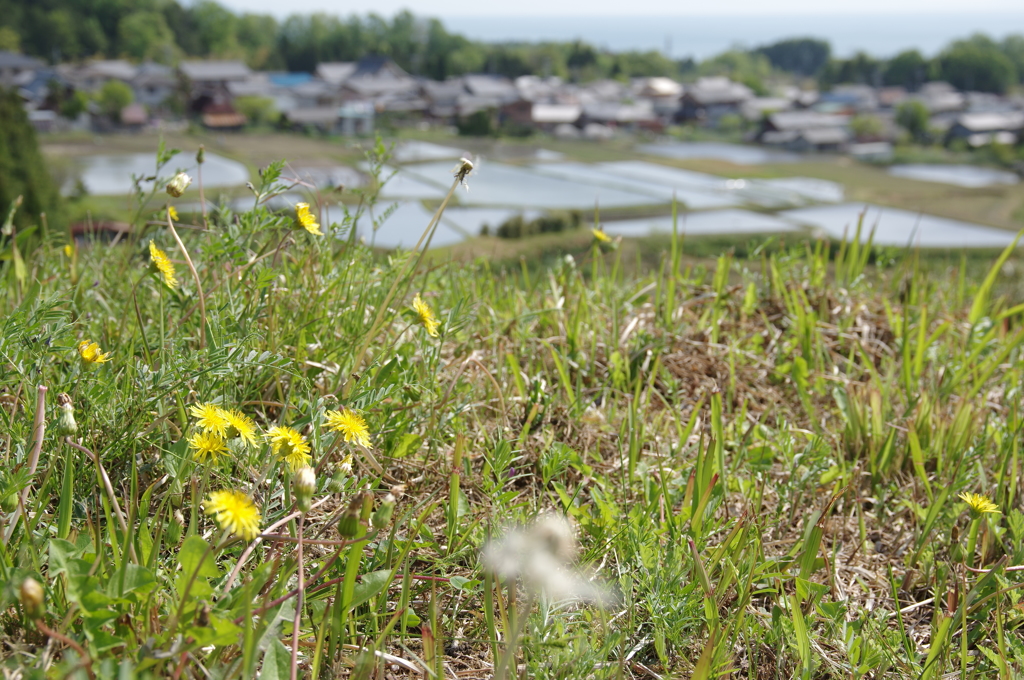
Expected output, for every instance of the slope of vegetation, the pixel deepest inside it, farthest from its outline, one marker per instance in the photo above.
(761, 460)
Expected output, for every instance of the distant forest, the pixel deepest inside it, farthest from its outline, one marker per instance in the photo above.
(166, 31)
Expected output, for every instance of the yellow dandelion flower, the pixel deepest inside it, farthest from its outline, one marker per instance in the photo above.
(69, 250)
(307, 219)
(210, 418)
(239, 425)
(426, 315)
(205, 444)
(163, 265)
(234, 512)
(172, 213)
(290, 446)
(601, 236)
(92, 354)
(978, 503)
(351, 426)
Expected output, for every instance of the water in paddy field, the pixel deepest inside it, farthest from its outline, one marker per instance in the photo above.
(731, 221)
(111, 174)
(733, 153)
(959, 175)
(894, 227)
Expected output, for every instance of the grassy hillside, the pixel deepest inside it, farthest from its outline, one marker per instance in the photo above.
(760, 460)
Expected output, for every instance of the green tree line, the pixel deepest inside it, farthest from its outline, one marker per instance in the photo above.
(167, 31)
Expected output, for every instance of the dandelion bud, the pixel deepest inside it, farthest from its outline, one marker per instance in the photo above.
(304, 486)
(337, 483)
(9, 502)
(201, 154)
(176, 187)
(31, 596)
(66, 425)
(175, 527)
(382, 517)
(348, 525)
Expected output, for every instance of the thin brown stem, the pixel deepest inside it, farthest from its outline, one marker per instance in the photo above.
(195, 277)
(85, 662)
(109, 488)
(258, 540)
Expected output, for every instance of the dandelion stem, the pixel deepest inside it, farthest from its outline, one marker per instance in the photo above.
(39, 428)
(195, 277)
(378, 320)
(298, 605)
(972, 541)
(109, 488)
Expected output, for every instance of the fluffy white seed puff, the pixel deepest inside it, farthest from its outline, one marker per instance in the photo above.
(542, 556)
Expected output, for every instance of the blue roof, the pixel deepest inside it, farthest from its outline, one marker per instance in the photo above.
(289, 79)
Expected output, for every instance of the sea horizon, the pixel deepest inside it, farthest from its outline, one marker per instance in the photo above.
(703, 36)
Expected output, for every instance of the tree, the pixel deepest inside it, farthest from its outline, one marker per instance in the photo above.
(907, 69)
(10, 41)
(861, 68)
(977, 64)
(22, 170)
(478, 124)
(1013, 47)
(146, 35)
(258, 110)
(803, 56)
(867, 128)
(913, 116)
(113, 97)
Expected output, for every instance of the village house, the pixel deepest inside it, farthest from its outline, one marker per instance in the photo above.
(621, 115)
(537, 89)
(17, 69)
(980, 129)
(848, 99)
(549, 116)
(707, 100)
(663, 93)
(757, 108)
(940, 97)
(93, 75)
(805, 131)
(443, 98)
(154, 85)
(208, 82)
(382, 82)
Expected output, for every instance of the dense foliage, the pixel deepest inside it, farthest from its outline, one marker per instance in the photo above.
(255, 448)
(22, 169)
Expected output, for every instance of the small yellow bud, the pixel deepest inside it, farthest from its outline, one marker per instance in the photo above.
(348, 525)
(382, 517)
(31, 596)
(304, 486)
(175, 527)
(66, 425)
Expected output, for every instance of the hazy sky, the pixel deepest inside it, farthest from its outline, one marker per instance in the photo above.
(454, 8)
